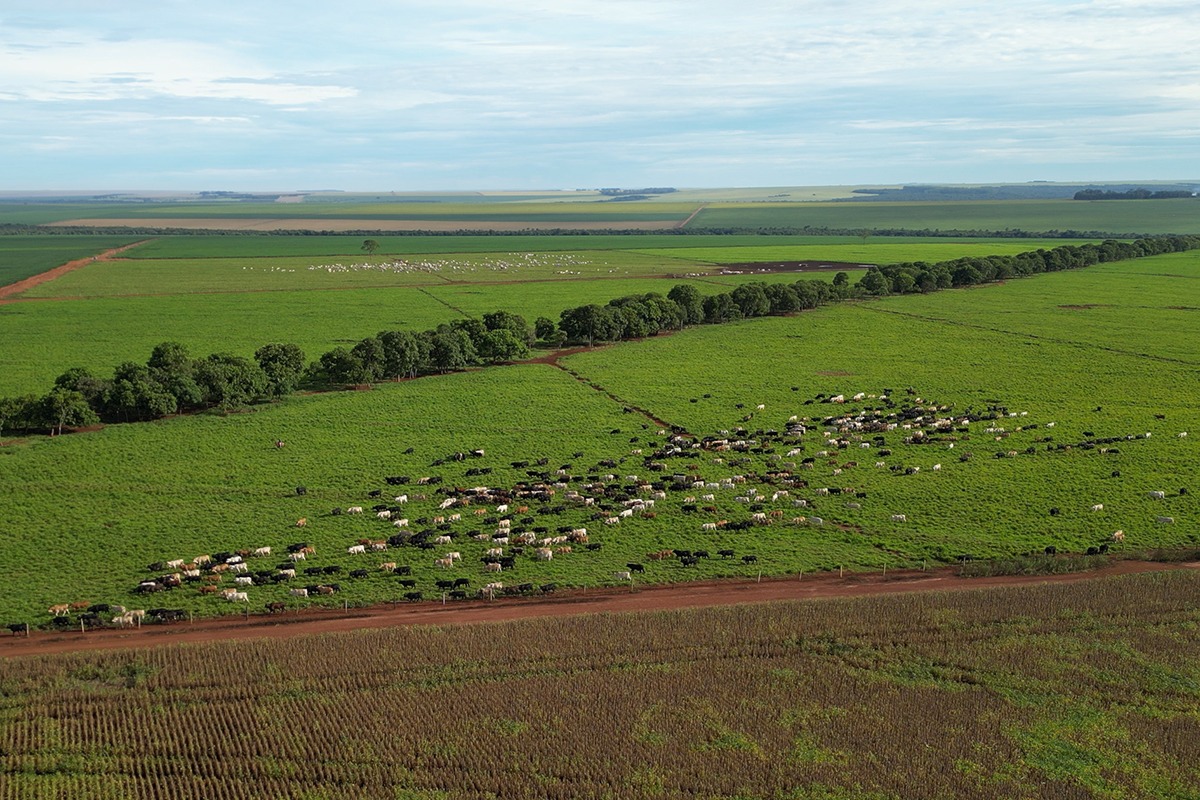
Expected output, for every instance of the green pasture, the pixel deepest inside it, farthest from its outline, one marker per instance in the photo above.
(1114, 217)
(182, 276)
(24, 256)
(857, 251)
(185, 486)
(41, 340)
(708, 247)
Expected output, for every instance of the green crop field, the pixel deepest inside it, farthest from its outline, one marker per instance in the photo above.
(24, 256)
(1075, 690)
(1112, 216)
(192, 485)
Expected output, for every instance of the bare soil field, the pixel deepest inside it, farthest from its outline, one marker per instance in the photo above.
(699, 594)
(342, 225)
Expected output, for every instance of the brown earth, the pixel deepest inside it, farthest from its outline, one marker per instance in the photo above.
(12, 289)
(698, 594)
(339, 225)
(789, 266)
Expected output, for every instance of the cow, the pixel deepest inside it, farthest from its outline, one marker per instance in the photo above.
(300, 523)
(899, 518)
(238, 597)
(1164, 520)
(1157, 495)
(60, 610)
(354, 510)
(1118, 536)
(623, 576)
(276, 607)
(1098, 507)
(262, 551)
(493, 566)
(356, 549)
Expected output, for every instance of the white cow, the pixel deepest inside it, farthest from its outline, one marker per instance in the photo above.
(357, 549)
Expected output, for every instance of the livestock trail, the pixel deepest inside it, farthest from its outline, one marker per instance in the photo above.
(1026, 335)
(8, 293)
(554, 361)
(660, 597)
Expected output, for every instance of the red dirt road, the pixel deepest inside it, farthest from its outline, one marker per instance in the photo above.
(9, 291)
(592, 601)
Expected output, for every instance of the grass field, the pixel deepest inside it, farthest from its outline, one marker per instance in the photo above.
(208, 483)
(23, 256)
(1111, 216)
(1036, 693)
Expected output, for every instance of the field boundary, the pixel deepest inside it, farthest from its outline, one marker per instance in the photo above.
(651, 597)
(12, 289)
(1024, 335)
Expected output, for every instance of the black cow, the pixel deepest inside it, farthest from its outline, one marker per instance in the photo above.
(412, 597)
(635, 567)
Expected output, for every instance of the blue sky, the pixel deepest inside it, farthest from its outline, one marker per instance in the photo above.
(538, 94)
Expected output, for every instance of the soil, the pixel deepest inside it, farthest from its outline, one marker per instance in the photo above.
(342, 225)
(789, 266)
(12, 289)
(697, 594)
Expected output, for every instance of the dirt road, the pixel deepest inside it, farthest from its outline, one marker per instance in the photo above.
(13, 289)
(591, 601)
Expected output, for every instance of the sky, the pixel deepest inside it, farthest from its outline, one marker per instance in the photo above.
(406, 95)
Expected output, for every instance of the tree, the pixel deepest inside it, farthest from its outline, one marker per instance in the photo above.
(451, 349)
(874, 282)
(502, 345)
(64, 408)
(134, 395)
(230, 381)
(720, 308)
(401, 354)
(172, 366)
(690, 302)
(505, 320)
(373, 357)
(81, 380)
(16, 413)
(592, 323)
(841, 279)
(545, 330)
(283, 364)
(339, 365)
(751, 298)
(369, 246)
(783, 298)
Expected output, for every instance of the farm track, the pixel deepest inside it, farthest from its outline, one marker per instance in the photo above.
(8, 292)
(662, 597)
(624, 404)
(437, 299)
(1026, 335)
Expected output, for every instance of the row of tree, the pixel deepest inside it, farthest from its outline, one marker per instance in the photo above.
(919, 276)
(172, 382)
(1133, 194)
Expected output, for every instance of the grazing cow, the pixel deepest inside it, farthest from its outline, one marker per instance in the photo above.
(276, 607)
(354, 510)
(725, 553)
(244, 580)
(635, 567)
(623, 576)
(300, 523)
(443, 563)
(62, 609)
(1098, 507)
(384, 514)
(899, 518)
(262, 551)
(357, 549)
(239, 597)
(1158, 495)
(1118, 536)
(749, 559)
(18, 627)
(1164, 520)
(493, 566)
(299, 555)
(389, 566)
(400, 523)
(544, 554)
(412, 597)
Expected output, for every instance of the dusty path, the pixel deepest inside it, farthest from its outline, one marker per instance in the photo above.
(12, 289)
(590, 601)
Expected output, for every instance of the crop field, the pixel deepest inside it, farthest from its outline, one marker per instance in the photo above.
(1036, 693)
(1111, 216)
(188, 486)
(23, 256)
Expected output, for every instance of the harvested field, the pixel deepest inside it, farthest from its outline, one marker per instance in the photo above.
(342, 225)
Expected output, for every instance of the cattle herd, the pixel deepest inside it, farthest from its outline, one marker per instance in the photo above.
(426, 528)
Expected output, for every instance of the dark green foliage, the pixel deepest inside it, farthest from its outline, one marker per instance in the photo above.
(283, 365)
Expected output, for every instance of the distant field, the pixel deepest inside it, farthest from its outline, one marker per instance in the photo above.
(350, 246)
(23, 256)
(1112, 216)
(875, 251)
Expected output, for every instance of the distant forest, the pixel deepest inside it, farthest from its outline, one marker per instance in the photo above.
(1022, 191)
(1132, 194)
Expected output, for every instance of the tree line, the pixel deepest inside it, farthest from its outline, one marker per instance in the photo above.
(1132, 194)
(173, 382)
